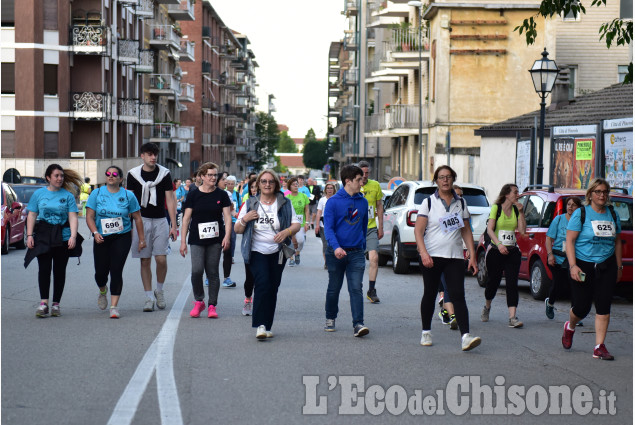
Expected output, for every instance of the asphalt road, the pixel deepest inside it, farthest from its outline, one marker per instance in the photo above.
(165, 367)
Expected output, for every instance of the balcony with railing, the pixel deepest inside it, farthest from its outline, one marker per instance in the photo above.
(183, 11)
(144, 9)
(165, 85)
(163, 132)
(349, 113)
(90, 40)
(186, 54)
(167, 1)
(164, 37)
(128, 110)
(350, 41)
(146, 61)
(402, 49)
(384, 14)
(184, 134)
(350, 77)
(351, 7)
(90, 106)
(396, 120)
(206, 32)
(187, 92)
(128, 51)
(206, 68)
(146, 113)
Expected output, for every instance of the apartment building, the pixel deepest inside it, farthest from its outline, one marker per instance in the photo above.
(224, 100)
(85, 83)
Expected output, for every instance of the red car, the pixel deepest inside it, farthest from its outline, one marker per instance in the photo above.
(13, 220)
(541, 205)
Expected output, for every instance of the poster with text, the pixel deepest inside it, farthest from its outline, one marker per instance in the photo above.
(562, 162)
(618, 159)
(584, 162)
(523, 163)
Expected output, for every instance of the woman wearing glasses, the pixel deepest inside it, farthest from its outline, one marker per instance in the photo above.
(267, 222)
(207, 219)
(108, 211)
(594, 252)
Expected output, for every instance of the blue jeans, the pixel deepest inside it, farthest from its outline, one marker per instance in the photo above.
(267, 276)
(353, 265)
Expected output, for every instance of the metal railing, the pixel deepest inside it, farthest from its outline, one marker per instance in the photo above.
(91, 105)
(90, 39)
(165, 33)
(183, 6)
(187, 91)
(146, 61)
(128, 51)
(165, 82)
(395, 117)
(146, 113)
(350, 77)
(406, 40)
(144, 8)
(187, 48)
(128, 110)
(185, 133)
(163, 131)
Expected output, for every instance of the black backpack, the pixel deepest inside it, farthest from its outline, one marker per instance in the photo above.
(611, 209)
(486, 239)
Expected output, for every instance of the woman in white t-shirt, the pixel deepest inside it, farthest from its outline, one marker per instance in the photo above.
(441, 228)
(329, 190)
(266, 222)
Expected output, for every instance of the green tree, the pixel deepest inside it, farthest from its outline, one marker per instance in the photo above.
(315, 154)
(310, 137)
(618, 31)
(286, 145)
(268, 139)
(279, 168)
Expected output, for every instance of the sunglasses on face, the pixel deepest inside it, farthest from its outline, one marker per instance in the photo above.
(266, 182)
(112, 174)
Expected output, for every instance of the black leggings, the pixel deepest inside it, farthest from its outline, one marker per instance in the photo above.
(559, 282)
(56, 259)
(249, 282)
(110, 258)
(454, 271)
(496, 264)
(597, 287)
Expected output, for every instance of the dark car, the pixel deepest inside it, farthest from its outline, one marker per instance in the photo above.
(13, 220)
(541, 205)
(25, 191)
(32, 180)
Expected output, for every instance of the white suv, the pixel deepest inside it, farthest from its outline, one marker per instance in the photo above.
(400, 215)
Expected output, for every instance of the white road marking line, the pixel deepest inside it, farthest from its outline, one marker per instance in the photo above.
(159, 357)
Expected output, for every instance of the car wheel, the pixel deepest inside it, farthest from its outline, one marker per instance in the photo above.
(5, 242)
(21, 244)
(481, 276)
(539, 283)
(400, 264)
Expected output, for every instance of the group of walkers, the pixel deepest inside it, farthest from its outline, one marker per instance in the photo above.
(583, 244)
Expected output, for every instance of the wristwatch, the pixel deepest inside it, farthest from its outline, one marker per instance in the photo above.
(95, 232)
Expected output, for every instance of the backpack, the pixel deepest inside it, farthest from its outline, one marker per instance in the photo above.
(583, 214)
(486, 239)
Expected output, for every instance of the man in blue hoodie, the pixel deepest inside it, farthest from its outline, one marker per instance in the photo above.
(345, 225)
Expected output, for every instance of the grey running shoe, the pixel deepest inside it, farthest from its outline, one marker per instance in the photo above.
(330, 325)
(426, 339)
(291, 262)
(55, 310)
(549, 309)
(114, 313)
(360, 330)
(102, 301)
(247, 306)
(485, 314)
(515, 323)
(297, 259)
(148, 305)
(468, 342)
(160, 296)
(42, 310)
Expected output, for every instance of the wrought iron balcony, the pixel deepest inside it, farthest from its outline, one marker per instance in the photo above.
(128, 110)
(396, 119)
(164, 37)
(184, 11)
(187, 92)
(90, 40)
(146, 61)
(128, 51)
(146, 113)
(144, 9)
(91, 106)
(187, 51)
(165, 85)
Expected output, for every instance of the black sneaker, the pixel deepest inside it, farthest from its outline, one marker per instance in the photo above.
(445, 317)
(360, 330)
(372, 295)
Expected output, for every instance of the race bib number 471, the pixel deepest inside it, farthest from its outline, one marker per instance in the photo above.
(208, 230)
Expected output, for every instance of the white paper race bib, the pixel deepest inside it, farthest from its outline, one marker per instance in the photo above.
(603, 229)
(451, 222)
(300, 217)
(208, 230)
(263, 223)
(111, 225)
(507, 237)
(371, 212)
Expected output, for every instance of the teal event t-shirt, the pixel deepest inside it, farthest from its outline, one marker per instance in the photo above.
(53, 207)
(592, 245)
(111, 206)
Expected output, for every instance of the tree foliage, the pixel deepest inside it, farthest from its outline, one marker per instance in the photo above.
(268, 139)
(618, 31)
(315, 154)
(287, 145)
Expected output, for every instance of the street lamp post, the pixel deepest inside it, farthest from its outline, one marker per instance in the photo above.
(543, 73)
(419, 4)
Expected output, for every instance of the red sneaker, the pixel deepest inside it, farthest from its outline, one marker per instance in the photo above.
(567, 336)
(199, 306)
(602, 353)
(211, 312)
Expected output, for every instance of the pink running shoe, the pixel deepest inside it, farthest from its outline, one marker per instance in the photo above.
(211, 312)
(199, 306)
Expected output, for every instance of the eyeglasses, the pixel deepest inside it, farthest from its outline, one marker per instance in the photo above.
(601, 192)
(112, 173)
(212, 176)
(266, 182)
(444, 178)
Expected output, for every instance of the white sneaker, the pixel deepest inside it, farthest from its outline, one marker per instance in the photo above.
(269, 334)
(468, 342)
(426, 339)
(160, 296)
(261, 332)
(102, 301)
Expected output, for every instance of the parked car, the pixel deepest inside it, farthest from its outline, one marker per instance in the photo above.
(400, 215)
(12, 220)
(541, 205)
(32, 180)
(387, 194)
(25, 191)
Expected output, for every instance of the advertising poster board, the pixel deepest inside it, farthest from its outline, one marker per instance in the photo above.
(618, 153)
(573, 161)
(562, 175)
(523, 163)
(584, 162)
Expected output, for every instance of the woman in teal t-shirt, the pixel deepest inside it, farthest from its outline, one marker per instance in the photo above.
(503, 254)
(108, 212)
(594, 252)
(300, 204)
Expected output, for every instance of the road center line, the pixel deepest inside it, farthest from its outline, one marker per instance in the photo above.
(159, 357)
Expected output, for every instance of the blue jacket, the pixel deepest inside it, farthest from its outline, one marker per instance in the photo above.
(346, 220)
(285, 212)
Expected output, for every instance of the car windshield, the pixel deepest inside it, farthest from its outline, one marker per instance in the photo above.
(624, 208)
(25, 192)
(423, 193)
(473, 197)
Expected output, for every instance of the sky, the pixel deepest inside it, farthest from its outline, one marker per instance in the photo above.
(291, 40)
